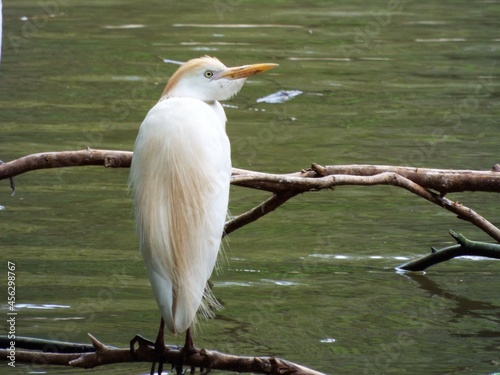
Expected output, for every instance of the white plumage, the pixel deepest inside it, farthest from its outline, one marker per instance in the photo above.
(180, 177)
(180, 173)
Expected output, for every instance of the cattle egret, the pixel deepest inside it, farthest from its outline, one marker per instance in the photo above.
(180, 175)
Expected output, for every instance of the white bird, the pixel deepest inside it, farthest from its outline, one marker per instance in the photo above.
(180, 174)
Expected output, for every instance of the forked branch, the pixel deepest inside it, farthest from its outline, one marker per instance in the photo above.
(441, 180)
(419, 181)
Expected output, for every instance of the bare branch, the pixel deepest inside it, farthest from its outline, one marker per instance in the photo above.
(107, 158)
(12, 183)
(441, 180)
(444, 181)
(462, 211)
(285, 186)
(464, 247)
(264, 181)
(208, 359)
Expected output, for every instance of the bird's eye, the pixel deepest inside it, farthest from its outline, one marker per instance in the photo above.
(209, 74)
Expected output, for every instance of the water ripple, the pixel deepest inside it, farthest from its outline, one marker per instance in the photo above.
(40, 307)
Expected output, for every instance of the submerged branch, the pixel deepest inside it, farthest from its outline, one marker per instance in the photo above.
(48, 346)
(105, 355)
(464, 247)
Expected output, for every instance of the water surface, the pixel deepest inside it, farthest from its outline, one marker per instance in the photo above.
(397, 83)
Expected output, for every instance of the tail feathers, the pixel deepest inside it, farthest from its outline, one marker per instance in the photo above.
(162, 289)
(185, 315)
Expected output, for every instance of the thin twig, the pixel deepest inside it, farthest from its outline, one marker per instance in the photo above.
(265, 182)
(257, 212)
(12, 182)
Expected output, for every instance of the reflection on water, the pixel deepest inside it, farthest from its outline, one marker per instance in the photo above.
(396, 83)
(465, 307)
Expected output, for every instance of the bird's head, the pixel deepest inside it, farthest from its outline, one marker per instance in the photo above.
(207, 79)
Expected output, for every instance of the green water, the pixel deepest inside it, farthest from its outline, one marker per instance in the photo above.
(383, 82)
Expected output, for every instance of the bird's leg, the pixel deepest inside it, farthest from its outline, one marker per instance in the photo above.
(159, 348)
(187, 350)
(189, 347)
(158, 345)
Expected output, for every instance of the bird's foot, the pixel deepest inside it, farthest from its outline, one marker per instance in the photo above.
(145, 344)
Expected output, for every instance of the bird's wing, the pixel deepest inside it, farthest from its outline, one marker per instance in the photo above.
(180, 174)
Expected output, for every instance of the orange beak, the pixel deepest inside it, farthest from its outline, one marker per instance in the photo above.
(245, 71)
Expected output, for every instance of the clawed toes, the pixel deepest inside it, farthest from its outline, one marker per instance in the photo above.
(143, 343)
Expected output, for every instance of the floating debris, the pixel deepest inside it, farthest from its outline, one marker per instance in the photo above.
(280, 96)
